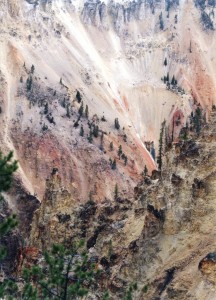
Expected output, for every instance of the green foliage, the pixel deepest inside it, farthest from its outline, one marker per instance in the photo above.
(68, 114)
(129, 293)
(173, 81)
(120, 151)
(90, 138)
(29, 83)
(45, 127)
(64, 274)
(81, 109)
(124, 157)
(81, 131)
(78, 97)
(117, 125)
(102, 141)
(145, 289)
(111, 146)
(112, 164)
(161, 21)
(7, 168)
(32, 69)
(95, 131)
(86, 112)
(116, 191)
(197, 120)
(145, 171)
(46, 108)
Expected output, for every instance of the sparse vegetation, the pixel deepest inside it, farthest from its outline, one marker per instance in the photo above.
(161, 22)
(161, 145)
(117, 125)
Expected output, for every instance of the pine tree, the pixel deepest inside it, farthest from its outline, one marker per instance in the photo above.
(32, 69)
(161, 21)
(90, 138)
(116, 192)
(117, 125)
(52, 280)
(81, 131)
(173, 80)
(145, 171)
(80, 111)
(78, 97)
(7, 169)
(102, 141)
(95, 131)
(46, 109)
(68, 114)
(167, 78)
(29, 83)
(120, 151)
(161, 146)
(113, 164)
(165, 62)
(86, 112)
(111, 146)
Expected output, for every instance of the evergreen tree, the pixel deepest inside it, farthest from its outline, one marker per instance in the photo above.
(173, 80)
(32, 69)
(90, 138)
(120, 151)
(111, 146)
(86, 112)
(197, 120)
(165, 62)
(29, 83)
(145, 171)
(125, 160)
(113, 165)
(161, 21)
(116, 192)
(117, 125)
(102, 141)
(95, 131)
(167, 78)
(65, 275)
(78, 97)
(7, 169)
(68, 114)
(81, 131)
(46, 109)
(161, 146)
(80, 111)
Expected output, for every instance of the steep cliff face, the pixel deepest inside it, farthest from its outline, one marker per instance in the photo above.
(114, 54)
(68, 71)
(162, 238)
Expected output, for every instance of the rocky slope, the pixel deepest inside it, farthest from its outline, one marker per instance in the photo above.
(163, 237)
(114, 55)
(115, 58)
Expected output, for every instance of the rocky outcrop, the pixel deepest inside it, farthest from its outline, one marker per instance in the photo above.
(207, 267)
(157, 238)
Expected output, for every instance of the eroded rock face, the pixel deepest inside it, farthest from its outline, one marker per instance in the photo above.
(156, 238)
(207, 267)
